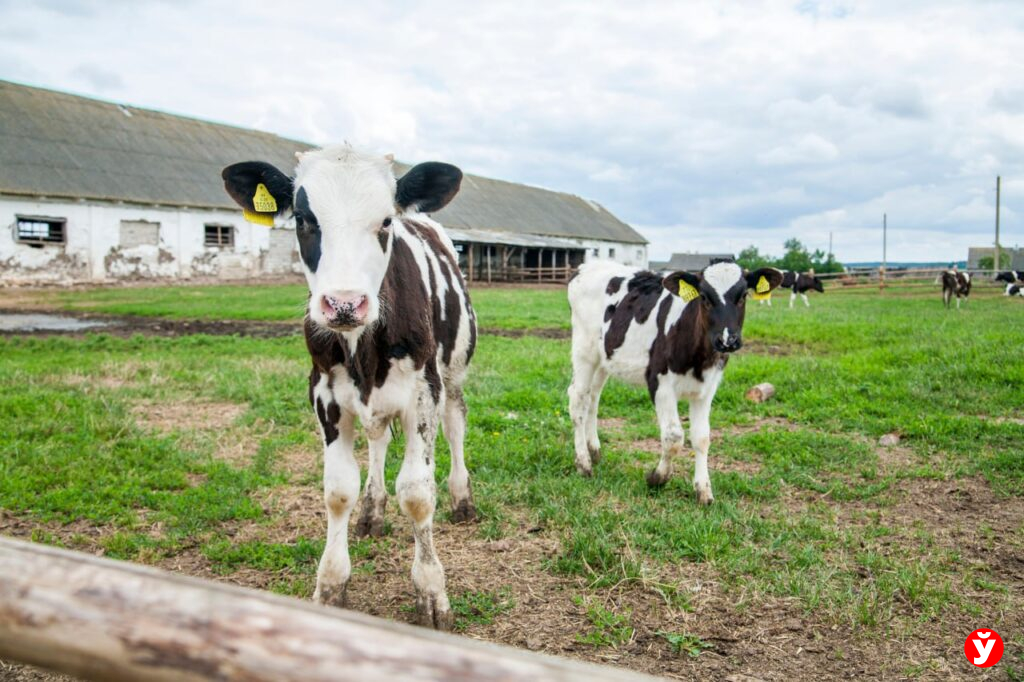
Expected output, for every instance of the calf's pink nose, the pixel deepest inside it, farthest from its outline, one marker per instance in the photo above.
(344, 304)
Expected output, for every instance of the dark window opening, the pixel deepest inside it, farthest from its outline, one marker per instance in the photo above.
(611, 253)
(37, 231)
(221, 236)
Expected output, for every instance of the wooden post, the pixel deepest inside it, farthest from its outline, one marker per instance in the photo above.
(99, 619)
(488, 263)
(470, 261)
(540, 264)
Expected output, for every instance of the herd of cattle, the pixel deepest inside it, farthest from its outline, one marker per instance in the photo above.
(391, 332)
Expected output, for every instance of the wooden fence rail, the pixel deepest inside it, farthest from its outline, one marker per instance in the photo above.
(106, 620)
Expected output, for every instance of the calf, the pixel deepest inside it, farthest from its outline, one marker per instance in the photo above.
(672, 334)
(390, 331)
(1015, 290)
(799, 283)
(1011, 277)
(955, 282)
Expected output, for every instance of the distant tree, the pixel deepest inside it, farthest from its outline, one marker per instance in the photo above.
(796, 258)
(751, 259)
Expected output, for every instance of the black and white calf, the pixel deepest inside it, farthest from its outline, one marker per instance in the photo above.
(1011, 277)
(956, 283)
(799, 283)
(1015, 290)
(672, 334)
(390, 330)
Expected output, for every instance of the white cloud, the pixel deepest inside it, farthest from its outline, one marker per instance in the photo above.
(776, 118)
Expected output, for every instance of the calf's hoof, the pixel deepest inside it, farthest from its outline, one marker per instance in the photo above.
(586, 471)
(463, 511)
(595, 454)
(704, 496)
(433, 611)
(332, 595)
(656, 479)
(371, 521)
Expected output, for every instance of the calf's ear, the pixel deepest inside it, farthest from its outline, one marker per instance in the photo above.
(672, 282)
(772, 276)
(242, 181)
(428, 187)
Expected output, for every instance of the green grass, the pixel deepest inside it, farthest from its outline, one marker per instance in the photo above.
(502, 308)
(856, 366)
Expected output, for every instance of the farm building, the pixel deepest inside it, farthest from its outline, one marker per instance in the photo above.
(976, 253)
(92, 190)
(693, 262)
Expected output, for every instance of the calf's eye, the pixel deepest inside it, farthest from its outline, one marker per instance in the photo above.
(387, 222)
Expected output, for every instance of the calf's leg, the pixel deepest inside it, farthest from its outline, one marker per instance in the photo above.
(792, 297)
(580, 402)
(375, 497)
(806, 302)
(417, 497)
(459, 487)
(666, 405)
(341, 489)
(700, 438)
(593, 442)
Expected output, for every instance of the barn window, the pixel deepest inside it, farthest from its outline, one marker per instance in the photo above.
(221, 236)
(611, 252)
(597, 252)
(639, 254)
(139, 233)
(37, 231)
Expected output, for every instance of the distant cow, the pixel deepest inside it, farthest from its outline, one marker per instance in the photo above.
(1015, 290)
(1011, 277)
(955, 283)
(800, 283)
(672, 334)
(390, 331)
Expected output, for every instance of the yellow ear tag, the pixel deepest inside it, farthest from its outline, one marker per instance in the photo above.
(763, 290)
(263, 201)
(687, 292)
(258, 218)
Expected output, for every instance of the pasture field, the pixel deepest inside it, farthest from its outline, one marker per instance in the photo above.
(825, 555)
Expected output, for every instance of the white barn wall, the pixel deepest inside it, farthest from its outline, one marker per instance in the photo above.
(92, 251)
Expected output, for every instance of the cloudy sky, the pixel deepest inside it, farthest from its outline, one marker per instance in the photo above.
(706, 125)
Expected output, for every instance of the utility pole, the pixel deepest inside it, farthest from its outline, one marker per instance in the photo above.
(885, 261)
(995, 261)
(830, 245)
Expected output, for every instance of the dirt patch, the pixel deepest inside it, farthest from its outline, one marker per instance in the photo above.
(540, 332)
(155, 326)
(166, 417)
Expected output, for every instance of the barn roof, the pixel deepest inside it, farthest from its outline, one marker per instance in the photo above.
(55, 144)
(689, 261)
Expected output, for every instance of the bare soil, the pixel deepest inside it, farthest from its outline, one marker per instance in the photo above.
(751, 637)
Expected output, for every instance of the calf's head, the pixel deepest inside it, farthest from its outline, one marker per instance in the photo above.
(721, 292)
(817, 284)
(345, 204)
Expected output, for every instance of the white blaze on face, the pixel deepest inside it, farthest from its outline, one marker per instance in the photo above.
(722, 277)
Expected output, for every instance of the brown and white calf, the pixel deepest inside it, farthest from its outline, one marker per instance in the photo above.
(639, 327)
(955, 283)
(390, 331)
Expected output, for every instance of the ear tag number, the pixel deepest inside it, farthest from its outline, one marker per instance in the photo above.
(258, 218)
(687, 292)
(263, 201)
(763, 290)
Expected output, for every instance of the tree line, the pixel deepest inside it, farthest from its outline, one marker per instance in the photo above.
(796, 258)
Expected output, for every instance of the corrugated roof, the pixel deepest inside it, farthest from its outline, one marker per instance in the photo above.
(59, 145)
(694, 262)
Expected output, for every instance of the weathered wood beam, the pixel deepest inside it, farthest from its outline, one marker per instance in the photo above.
(108, 620)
